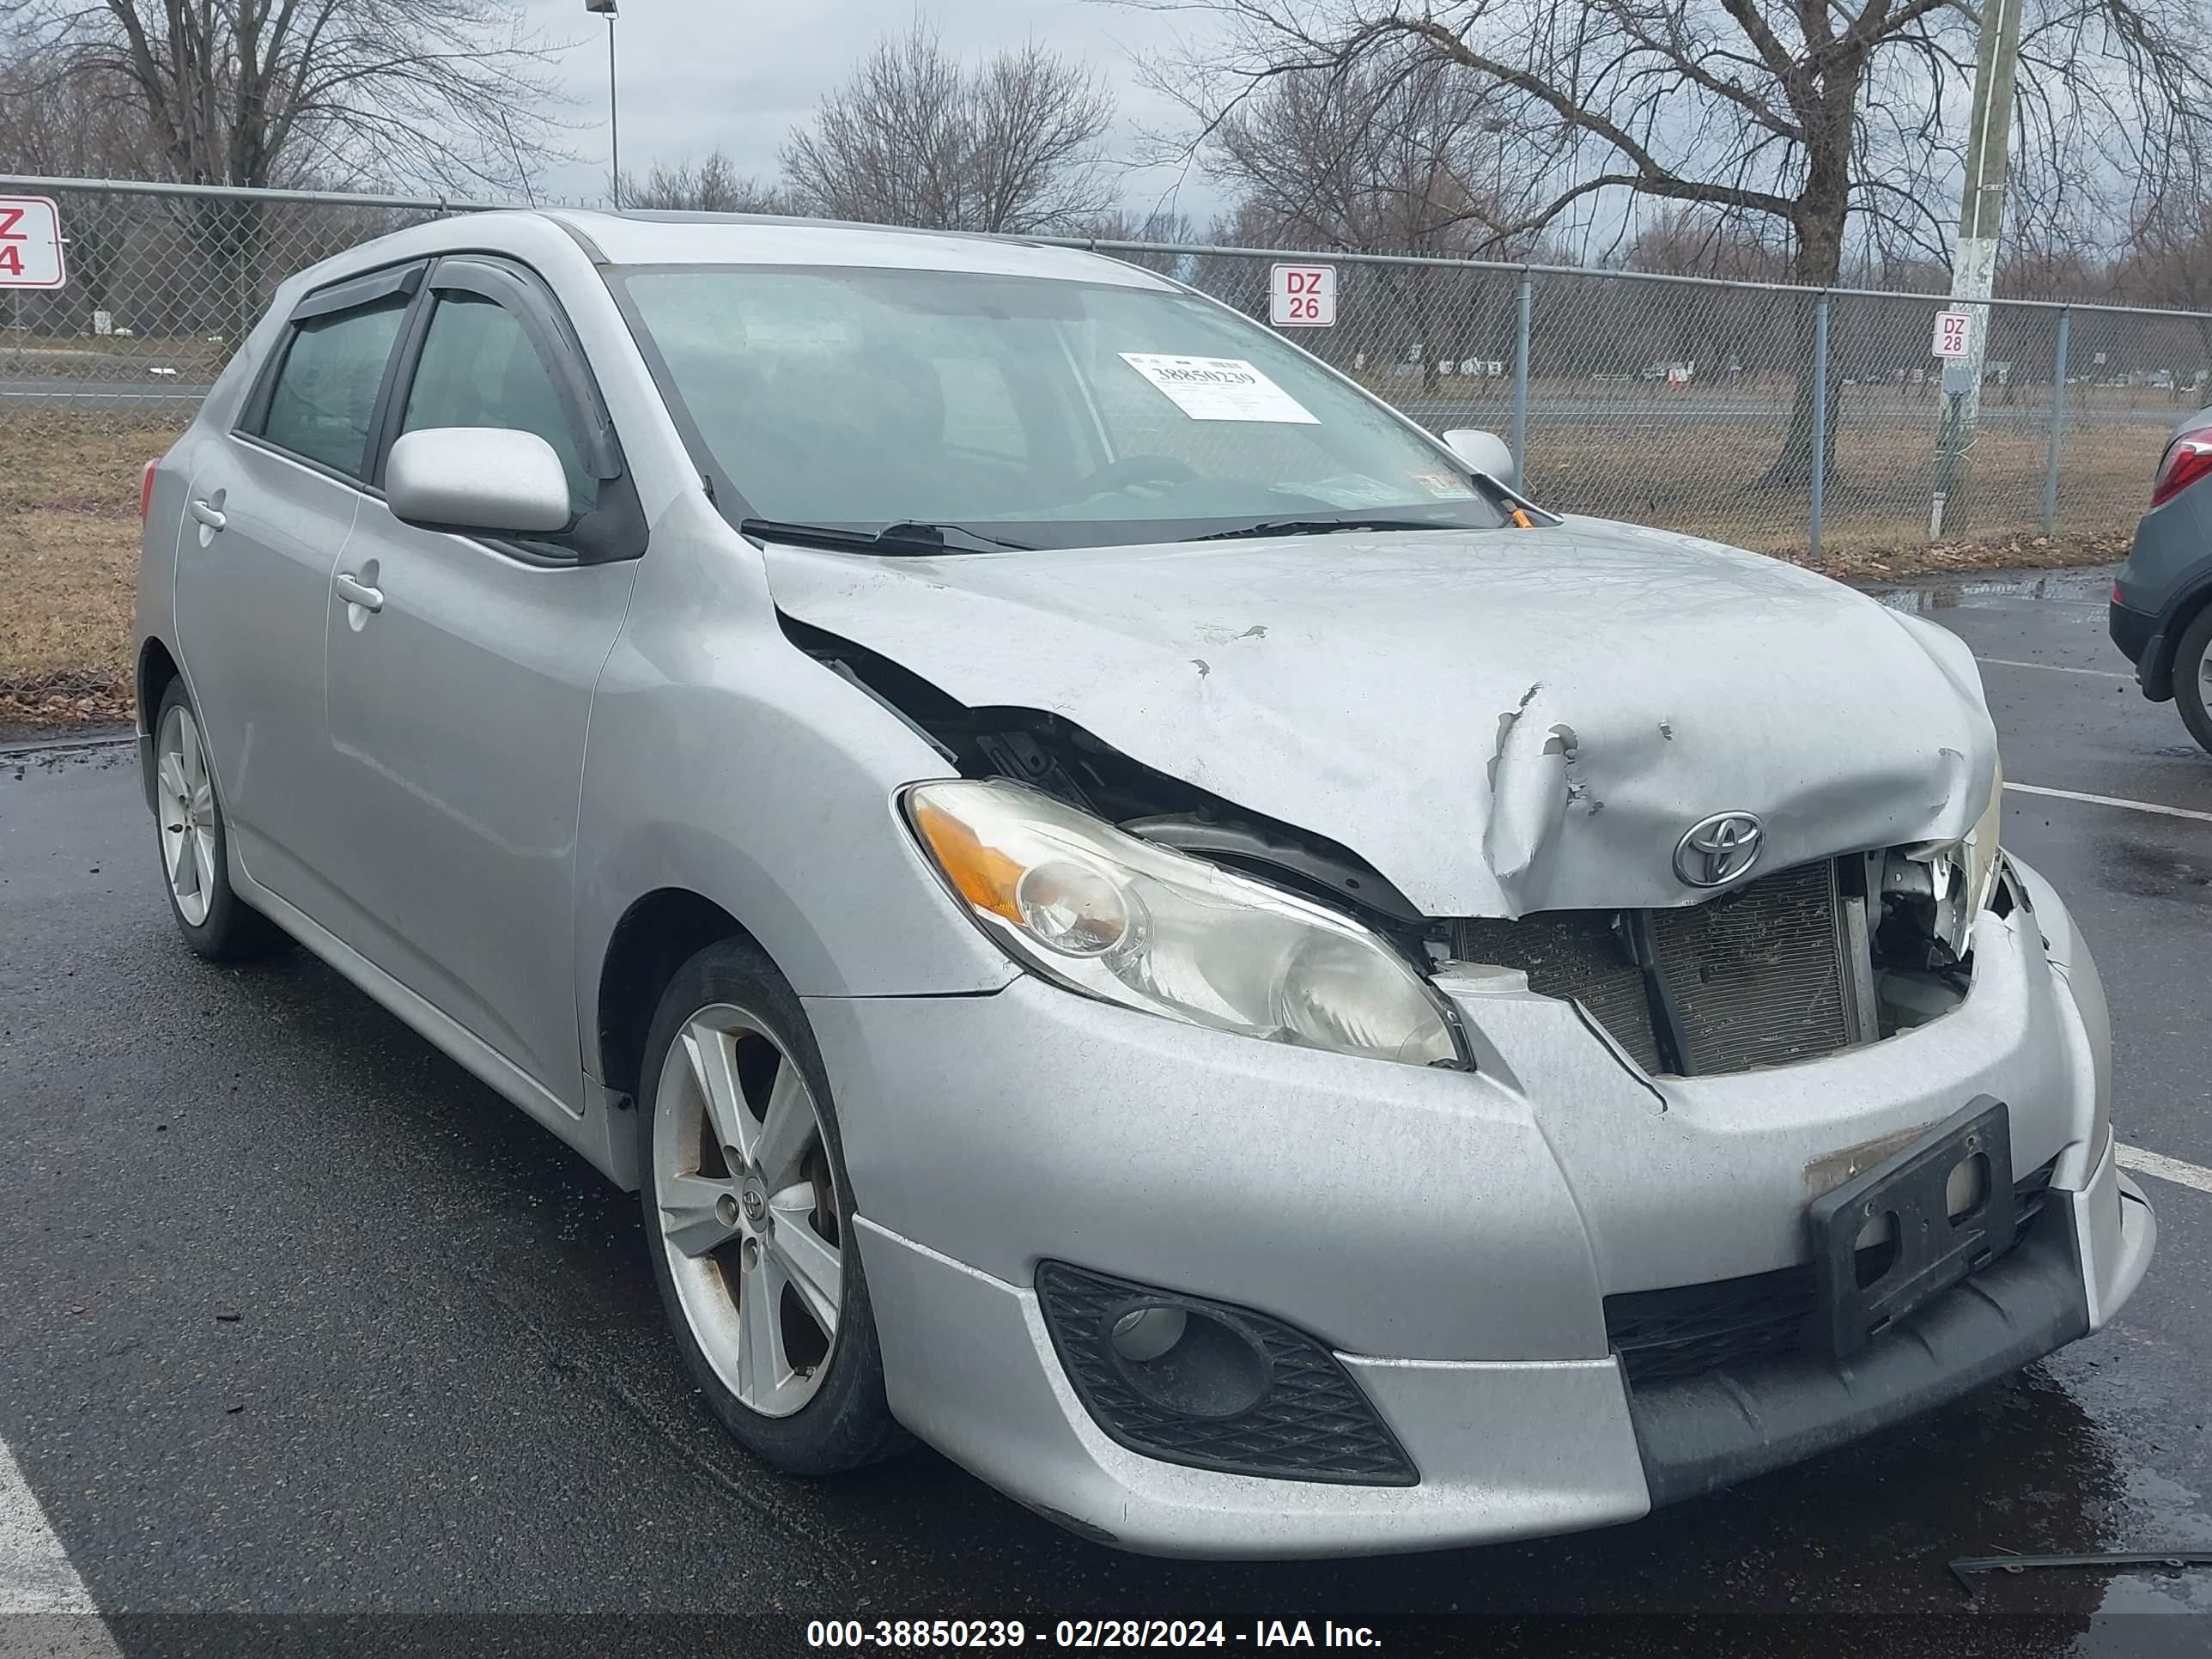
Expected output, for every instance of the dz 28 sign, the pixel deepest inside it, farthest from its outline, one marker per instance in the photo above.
(1303, 296)
(30, 243)
(1954, 333)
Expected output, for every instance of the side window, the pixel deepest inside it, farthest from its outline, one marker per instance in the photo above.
(325, 391)
(479, 368)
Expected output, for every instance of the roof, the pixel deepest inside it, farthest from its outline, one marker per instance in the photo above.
(655, 239)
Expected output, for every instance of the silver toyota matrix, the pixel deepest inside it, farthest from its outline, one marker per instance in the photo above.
(1129, 912)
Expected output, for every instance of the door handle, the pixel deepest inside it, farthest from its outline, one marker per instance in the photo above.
(210, 516)
(353, 591)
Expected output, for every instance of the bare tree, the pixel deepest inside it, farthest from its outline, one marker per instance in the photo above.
(2167, 261)
(1820, 120)
(1159, 224)
(82, 126)
(711, 185)
(450, 93)
(1682, 241)
(71, 127)
(915, 138)
(1389, 153)
(1393, 153)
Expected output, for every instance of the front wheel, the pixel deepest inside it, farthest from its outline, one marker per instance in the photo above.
(2192, 677)
(749, 1218)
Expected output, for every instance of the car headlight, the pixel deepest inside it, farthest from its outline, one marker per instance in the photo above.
(1978, 854)
(1126, 921)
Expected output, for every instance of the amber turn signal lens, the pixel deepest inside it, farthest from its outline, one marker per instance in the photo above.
(984, 875)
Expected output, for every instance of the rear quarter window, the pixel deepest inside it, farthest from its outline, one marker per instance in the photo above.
(324, 393)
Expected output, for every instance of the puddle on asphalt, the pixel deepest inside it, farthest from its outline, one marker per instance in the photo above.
(17, 763)
(2091, 584)
(2140, 866)
(2093, 1612)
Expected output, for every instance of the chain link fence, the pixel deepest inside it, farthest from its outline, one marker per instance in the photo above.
(1773, 417)
(1778, 418)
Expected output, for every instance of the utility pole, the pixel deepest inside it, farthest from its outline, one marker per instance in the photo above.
(1981, 220)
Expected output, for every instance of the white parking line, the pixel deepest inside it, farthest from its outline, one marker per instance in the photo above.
(2165, 1169)
(35, 1574)
(2111, 800)
(2055, 668)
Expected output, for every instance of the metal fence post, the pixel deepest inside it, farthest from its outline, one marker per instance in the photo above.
(1819, 418)
(2058, 423)
(1526, 297)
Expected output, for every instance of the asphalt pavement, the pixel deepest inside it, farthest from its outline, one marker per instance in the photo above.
(296, 1320)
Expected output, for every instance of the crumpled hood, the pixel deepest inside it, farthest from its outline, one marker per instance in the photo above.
(1499, 722)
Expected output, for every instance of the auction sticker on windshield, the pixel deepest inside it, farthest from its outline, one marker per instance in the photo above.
(1218, 388)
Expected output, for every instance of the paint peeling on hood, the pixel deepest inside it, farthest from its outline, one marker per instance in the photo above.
(1499, 722)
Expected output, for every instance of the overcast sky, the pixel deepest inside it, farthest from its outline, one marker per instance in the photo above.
(695, 74)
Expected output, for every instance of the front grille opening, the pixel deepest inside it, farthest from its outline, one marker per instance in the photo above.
(1794, 965)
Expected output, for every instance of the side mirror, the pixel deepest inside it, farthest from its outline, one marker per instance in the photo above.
(1483, 451)
(477, 477)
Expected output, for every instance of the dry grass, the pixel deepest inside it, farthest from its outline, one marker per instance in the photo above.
(68, 526)
(1878, 491)
(69, 521)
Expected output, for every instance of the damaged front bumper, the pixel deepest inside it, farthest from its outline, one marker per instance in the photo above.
(1455, 1240)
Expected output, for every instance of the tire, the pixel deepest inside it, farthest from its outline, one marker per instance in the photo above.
(195, 844)
(2192, 677)
(731, 1051)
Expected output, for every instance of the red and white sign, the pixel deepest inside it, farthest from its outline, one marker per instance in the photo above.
(30, 243)
(1953, 330)
(1303, 296)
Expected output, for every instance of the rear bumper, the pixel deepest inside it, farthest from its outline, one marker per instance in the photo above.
(2132, 631)
(2162, 586)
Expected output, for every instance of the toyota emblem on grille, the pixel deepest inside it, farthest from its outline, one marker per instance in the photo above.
(1714, 851)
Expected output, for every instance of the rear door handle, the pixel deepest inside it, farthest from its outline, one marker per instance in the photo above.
(210, 516)
(354, 591)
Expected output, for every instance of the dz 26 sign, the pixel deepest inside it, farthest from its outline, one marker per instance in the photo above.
(1303, 296)
(30, 243)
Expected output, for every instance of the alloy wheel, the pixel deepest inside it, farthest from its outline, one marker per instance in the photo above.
(185, 798)
(748, 1209)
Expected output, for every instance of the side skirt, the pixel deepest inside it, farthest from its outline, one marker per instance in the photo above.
(590, 1132)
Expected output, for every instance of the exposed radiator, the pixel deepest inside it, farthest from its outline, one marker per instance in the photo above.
(1757, 975)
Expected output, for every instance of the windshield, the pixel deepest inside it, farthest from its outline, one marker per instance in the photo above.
(1052, 414)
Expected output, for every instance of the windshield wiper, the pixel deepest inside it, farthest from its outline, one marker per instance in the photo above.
(908, 536)
(1319, 528)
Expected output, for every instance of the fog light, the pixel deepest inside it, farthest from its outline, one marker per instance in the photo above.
(1145, 1333)
(1191, 1362)
(1212, 1385)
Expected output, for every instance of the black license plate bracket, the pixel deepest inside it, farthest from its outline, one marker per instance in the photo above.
(1863, 1294)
